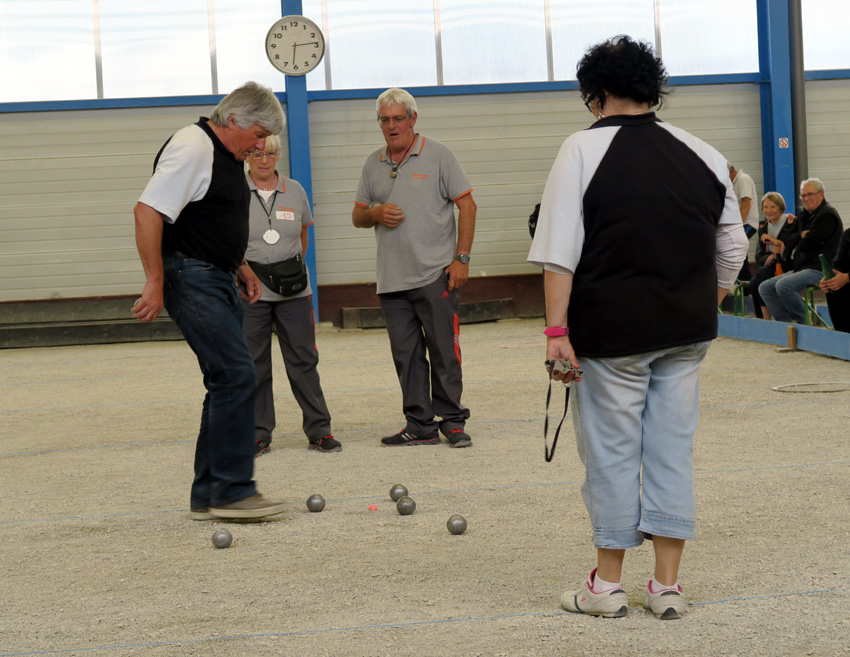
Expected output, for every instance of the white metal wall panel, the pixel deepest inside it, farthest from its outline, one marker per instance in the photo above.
(69, 180)
(506, 144)
(68, 184)
(828, 117)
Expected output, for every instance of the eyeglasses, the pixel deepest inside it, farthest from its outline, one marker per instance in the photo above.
(385, 120)
(805, 196)
(260, 156)
(587, 105)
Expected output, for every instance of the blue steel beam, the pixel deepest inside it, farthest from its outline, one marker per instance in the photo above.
(774, 34)
(298, 137)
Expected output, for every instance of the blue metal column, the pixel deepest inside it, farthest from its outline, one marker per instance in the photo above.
(774, 34)
(298, 136)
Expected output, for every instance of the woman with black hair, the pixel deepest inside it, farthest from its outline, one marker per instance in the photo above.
(640, 237)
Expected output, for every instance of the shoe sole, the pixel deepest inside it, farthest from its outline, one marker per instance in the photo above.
(619, 613)
(461, 443)
(670, 614)
(424, 441)
(201, 515)
(236, 514)
(317, 448)
(261, 452)
(569, 602)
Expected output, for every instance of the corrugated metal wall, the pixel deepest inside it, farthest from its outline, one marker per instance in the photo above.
(69, 180)
(506, 144)
(827, 104)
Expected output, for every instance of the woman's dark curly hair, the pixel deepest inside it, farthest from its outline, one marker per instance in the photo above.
(624, 68)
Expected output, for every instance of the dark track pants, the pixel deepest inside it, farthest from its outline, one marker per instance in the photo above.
(294, 324)
(423, 319)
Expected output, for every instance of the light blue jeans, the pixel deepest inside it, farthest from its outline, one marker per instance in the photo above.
(635, 418)
(781, 294)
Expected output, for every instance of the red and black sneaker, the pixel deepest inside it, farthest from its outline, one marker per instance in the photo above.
(326, 444)
(405, 438)
(457, 438)
(263, 447)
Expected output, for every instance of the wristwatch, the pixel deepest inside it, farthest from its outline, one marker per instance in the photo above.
(463, 258)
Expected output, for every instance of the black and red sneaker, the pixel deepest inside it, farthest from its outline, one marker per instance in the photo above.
(457, 438)
(405, 438)
(263, 447)
(326, 444)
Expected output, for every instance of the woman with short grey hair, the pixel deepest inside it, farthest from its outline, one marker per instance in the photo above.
(279, 220)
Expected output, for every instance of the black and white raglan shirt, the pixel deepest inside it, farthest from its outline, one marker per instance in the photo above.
(644, 216)
(199, 188)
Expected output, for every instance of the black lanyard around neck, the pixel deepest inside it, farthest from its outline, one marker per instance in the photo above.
(272, 200)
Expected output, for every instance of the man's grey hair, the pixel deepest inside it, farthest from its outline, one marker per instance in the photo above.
(814, 182)
(730, 166)
(250, 104)
(396, 96)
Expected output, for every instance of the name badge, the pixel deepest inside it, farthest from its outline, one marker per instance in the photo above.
(286, 215)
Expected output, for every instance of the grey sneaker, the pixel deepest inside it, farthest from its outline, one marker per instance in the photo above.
(667, 604)
(200, 513)
(255, 506)
(610, 604)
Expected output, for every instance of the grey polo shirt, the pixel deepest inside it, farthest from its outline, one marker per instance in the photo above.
(287, 212)
(414, 253)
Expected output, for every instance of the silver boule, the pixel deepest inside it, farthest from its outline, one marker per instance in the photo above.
(221, 538)
(315, 503)
(456, 524)
(405, 505)
(397, 492)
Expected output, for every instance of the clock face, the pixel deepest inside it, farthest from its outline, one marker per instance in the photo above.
(295, 45)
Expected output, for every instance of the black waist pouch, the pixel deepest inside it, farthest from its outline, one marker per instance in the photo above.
(287, 277)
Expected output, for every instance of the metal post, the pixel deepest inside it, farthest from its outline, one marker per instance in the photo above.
(798, 93)
(298, 140)
(777, 135)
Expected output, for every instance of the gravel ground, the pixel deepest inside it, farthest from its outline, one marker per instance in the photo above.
(99, 556)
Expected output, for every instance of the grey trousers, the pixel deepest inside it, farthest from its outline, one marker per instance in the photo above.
(294, 324)
(423, 319)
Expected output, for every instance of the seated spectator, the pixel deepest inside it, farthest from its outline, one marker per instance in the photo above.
(772, 233)
(837, 290)
(816, 231)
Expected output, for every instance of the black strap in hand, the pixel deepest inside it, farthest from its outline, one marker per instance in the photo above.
(550, 454)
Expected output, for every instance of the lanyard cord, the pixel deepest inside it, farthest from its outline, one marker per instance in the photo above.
(401, 161)
(550, 454)
(268, 212)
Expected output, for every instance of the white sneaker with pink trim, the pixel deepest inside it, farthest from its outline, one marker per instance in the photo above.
(613, 603)
(667, 604)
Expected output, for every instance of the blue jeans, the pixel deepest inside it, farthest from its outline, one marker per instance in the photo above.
(205, 304)
(635, 418)
(782, 297)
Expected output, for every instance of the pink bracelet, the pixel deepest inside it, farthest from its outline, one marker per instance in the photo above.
(556, 331)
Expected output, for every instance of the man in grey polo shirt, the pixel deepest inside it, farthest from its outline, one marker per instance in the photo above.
(407, 193)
